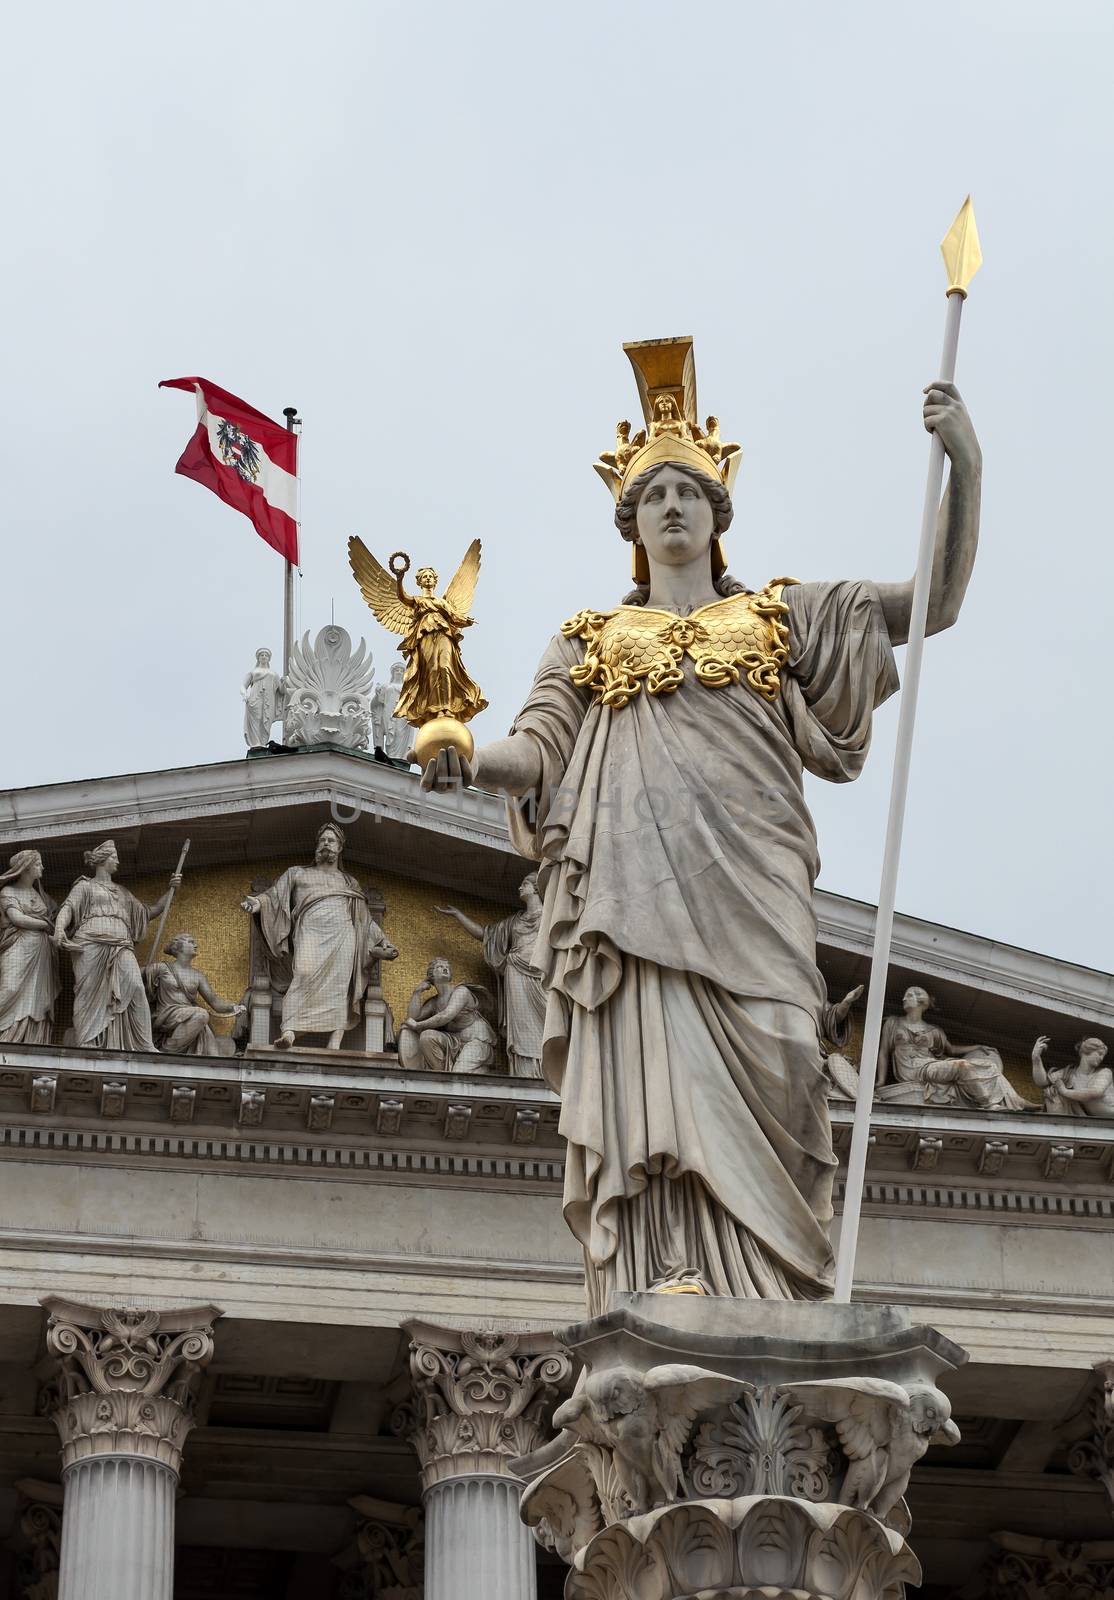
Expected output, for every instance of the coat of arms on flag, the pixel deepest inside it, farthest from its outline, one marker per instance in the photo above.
(237, 450)
(247, 459)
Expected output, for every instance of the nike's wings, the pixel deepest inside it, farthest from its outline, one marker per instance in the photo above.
(379, 588)
(463, 587)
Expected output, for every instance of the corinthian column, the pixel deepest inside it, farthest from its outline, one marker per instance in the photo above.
(123, 1405)
(480, 1400)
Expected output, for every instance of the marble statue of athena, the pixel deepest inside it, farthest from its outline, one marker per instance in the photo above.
(660, 757)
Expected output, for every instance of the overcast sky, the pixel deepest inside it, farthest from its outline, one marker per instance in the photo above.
(431, 227)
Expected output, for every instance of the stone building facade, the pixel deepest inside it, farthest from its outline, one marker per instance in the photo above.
(275, 1324)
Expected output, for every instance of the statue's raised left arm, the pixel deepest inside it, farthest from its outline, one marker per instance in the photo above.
(957, 531)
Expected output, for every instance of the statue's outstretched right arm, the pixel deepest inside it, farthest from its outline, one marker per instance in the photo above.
(512, 766)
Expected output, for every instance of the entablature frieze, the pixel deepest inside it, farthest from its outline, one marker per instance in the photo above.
(378, 1120)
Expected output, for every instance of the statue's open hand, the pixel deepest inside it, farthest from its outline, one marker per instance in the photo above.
(841, 1009)
(1041, 1046)
(250, 902)
(447, 772)
(945, 414)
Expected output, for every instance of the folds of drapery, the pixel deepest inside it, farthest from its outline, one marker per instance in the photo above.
(678, 860)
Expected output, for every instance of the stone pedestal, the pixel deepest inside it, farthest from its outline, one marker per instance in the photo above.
(480, 1400)
(123, 1405)
(728, 1449)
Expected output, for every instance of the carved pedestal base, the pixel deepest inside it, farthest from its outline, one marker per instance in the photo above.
(764, 1545)
(722, 1448)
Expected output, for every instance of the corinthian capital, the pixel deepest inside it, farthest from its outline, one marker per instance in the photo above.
(126, 1378)
(1092, 1456)
(480, 1399)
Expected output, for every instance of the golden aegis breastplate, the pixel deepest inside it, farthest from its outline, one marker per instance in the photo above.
(744, 635)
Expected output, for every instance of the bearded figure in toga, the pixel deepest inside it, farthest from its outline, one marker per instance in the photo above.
(319, 916)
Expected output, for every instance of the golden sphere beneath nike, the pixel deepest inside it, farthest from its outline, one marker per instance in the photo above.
(443, 733)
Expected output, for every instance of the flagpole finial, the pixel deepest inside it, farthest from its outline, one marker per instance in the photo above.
(291, 415)
(961, 250)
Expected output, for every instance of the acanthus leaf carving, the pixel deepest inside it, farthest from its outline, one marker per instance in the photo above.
(760, 1446)
(127, 1378)
(480, 1398)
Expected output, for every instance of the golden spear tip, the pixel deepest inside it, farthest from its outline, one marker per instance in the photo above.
(961, 250)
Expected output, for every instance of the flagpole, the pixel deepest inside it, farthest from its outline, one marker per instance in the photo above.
(293, 423)
(963, 258)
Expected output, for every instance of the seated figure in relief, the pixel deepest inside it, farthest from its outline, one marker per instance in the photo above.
(508, 950)
(1085, 1088)
(110, 1010)
(28, 958)
(180, 1022)
(919, 1065)
(319, 915)
(448, 1030)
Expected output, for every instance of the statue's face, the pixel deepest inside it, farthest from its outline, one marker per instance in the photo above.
(1092, 1052)
(328, 846)
(427, 579)
(263, 658)
(187, 948)
(674, 520)
(439, 971)
(915, 997)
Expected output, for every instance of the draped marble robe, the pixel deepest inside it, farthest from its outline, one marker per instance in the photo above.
(110, 1009)
(29, 981)
(678, 948)
(508, 948)
(319, 916)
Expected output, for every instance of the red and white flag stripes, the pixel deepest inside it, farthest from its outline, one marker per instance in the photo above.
(247, 459)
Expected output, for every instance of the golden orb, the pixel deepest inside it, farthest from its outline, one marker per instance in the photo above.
(443, 733)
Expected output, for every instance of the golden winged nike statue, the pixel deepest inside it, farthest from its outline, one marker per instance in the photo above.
(437, 696)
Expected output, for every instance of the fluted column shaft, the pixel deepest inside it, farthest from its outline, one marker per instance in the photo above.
(480, 1400)
(118, 1530)
(123, 1406)
(475, 1549)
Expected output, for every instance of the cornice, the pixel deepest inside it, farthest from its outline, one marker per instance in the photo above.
(133, 800)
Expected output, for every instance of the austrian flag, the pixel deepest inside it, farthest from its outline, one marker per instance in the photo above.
(250, 461)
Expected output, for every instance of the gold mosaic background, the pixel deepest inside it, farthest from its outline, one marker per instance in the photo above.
(208, 906)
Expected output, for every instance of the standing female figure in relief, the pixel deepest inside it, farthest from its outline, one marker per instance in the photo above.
(28, 959)
(110, 1010)
(918, 1063)
(661, 753)
(1083, 1089)
(181, 1022)
(508, 951)
(261, 692)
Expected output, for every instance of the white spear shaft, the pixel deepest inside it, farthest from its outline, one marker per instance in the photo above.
(962, 264)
